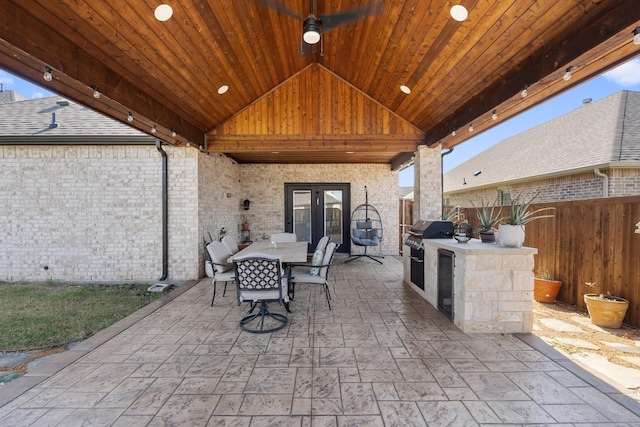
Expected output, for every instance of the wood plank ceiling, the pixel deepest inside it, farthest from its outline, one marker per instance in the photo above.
(342, 96)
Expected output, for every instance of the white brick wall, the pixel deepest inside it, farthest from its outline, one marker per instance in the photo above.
(263, 184)
(94, 213)
(80, 213)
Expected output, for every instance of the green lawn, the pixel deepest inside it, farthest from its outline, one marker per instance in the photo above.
(46, 314)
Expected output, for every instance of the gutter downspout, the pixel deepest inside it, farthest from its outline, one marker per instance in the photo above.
(165, 213)
(442, 177)
(605, 181)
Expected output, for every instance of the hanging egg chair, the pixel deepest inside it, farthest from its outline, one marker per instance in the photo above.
(366, 230)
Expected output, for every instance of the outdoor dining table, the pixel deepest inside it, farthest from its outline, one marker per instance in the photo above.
(290, 252)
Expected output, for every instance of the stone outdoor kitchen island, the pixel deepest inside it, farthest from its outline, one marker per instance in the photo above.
(492, 286)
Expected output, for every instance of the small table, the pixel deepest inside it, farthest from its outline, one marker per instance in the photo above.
(290, 252)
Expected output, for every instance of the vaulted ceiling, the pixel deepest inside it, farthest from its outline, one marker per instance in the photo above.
(340, 101)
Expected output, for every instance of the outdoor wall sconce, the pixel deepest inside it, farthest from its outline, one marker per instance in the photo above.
(638, 228)
(245, 204)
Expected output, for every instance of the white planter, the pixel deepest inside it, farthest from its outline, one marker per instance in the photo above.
(511, 236)
(208, 268)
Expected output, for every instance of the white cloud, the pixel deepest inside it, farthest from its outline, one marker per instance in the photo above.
(37, 95)
(627, 74)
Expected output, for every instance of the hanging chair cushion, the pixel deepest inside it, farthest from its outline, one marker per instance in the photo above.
(316, 260)
(365, 237)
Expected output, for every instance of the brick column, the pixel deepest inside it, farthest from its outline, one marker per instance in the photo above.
(427, 185)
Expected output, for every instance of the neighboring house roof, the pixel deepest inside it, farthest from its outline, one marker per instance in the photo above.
(55, 120)
(605, 133)
(10, 96)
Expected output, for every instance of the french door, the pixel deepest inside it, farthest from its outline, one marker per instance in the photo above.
(314, 210)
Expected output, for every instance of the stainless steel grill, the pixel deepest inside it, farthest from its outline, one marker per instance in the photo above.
(428, 229)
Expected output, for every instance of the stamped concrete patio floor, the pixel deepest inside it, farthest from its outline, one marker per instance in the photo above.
(382, 357)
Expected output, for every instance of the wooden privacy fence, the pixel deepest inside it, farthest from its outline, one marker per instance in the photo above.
(589, 241)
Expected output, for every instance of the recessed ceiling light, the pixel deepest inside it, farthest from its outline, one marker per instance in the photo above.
(350, 152)
(223, 89)
(405, 89)
(164, 12)
(459, 12)
(275, 152)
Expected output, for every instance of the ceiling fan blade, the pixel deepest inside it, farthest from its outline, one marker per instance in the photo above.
(333, 20)
(281, 8)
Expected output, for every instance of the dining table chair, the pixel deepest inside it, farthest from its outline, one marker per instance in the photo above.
(284, 237)
(231, 244)
(222, 270)
(260, 279)
(316, 273)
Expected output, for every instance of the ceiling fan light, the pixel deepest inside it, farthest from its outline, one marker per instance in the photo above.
(311, 30)
(164, 12)
(459, 12)
(405, 89)
(311, 37)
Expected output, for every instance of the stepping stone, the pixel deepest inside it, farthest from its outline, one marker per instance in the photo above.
(578, 343)
(10, 360)
(628, 377)
(559, 325)
(622, 347)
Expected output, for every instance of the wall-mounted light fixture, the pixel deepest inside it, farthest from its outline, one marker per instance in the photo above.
(47, 74)
(130, 117)
(453, 132)
(636, 36)
(96, 92)
(173, 133)
(471, 127)
(524, 91)
(494, 115)
(154, 129)
(245, 204)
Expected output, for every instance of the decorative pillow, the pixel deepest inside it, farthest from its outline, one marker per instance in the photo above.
(316, 260)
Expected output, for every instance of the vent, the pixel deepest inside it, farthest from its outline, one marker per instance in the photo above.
(62, 103)
(53, 123)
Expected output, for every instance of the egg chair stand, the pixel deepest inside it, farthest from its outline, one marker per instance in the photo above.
(366, 230)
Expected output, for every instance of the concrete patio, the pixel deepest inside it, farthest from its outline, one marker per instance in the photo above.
(381, 357)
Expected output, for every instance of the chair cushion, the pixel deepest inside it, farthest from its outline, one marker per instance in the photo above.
(365, 237)
(222, 268)
(227, 276)
(316, 260)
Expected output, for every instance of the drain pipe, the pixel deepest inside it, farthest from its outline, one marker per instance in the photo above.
(165, 213)
(442, 178)
(605, 181)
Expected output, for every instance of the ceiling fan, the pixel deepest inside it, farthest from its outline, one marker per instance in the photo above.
(313, 26)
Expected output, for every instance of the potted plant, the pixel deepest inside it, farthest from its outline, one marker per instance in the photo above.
(545, 289)
(245, 223)
(605, 310)
(488, 219)
(511, 231)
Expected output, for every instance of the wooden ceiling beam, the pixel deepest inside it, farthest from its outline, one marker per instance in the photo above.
(563, 50)
(298, 143)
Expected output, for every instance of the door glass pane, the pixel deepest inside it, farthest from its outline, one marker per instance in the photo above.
(333, 215)
(302, 215)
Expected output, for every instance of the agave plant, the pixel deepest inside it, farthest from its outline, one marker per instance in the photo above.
(519, 213)
(488, 215)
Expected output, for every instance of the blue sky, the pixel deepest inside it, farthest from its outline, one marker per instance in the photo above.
(626, 76)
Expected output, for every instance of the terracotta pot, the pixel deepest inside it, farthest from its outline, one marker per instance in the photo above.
(245, 226)
(511, 236)
(487, 236)
(604, 312)
(546, 290)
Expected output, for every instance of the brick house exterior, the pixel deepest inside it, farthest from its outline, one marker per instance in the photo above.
(81, 196)
(591, 152)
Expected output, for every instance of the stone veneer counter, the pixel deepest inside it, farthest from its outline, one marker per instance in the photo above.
(492, 285)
